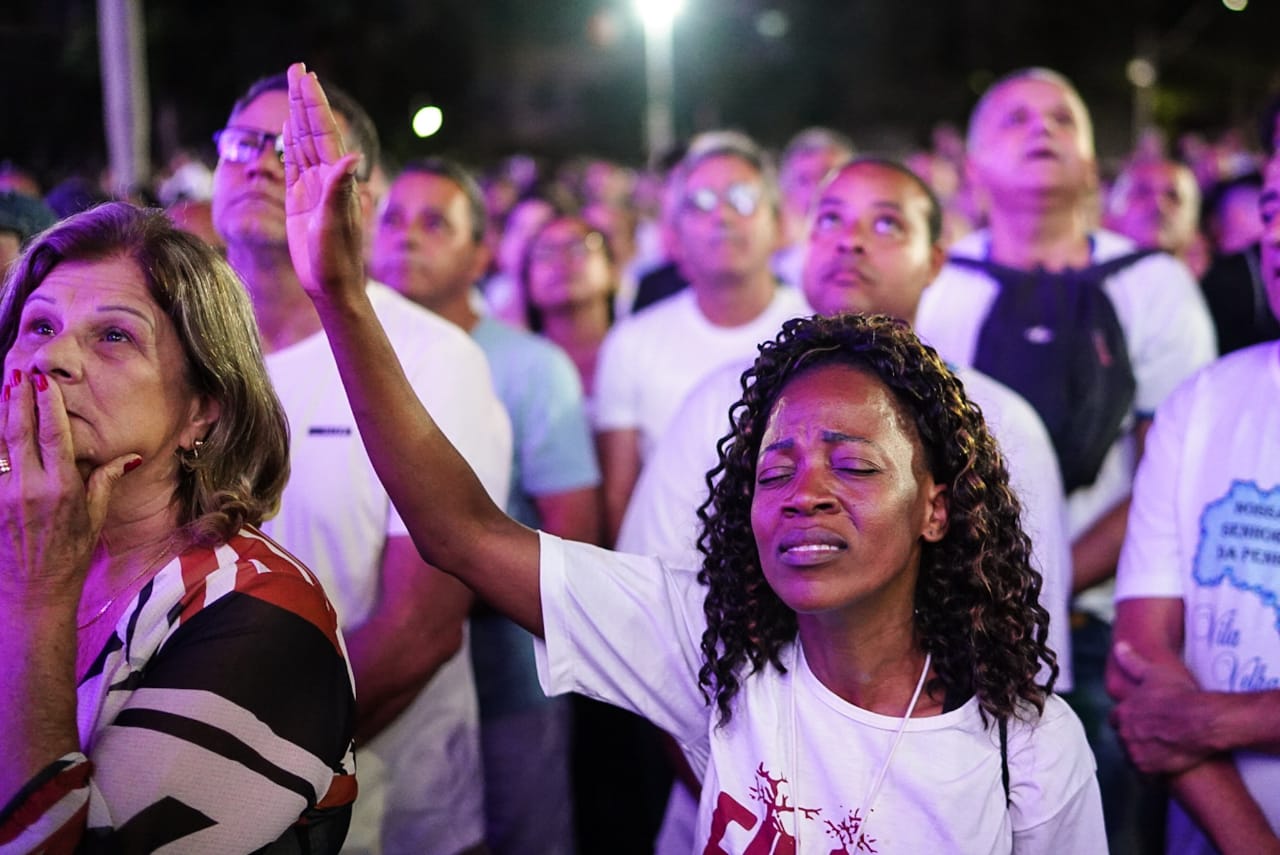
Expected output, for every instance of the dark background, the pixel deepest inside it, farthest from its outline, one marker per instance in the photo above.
(566, 77)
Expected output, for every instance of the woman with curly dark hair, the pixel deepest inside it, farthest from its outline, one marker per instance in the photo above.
(855, 667)
(976, 607)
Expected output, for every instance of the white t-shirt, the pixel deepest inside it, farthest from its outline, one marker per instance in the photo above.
(626, 629)
(662, 518)
(336, 516)
(651, 360)
(1168, 333)
(1204, 527)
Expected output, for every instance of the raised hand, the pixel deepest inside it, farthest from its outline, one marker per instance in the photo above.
(321, 206)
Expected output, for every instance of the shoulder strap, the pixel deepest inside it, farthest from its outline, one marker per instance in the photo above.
(999, 272)
(1004, 758)
(1103, 269)
(1096, 272)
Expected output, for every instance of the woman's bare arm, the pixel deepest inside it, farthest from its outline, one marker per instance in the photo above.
(453, 522)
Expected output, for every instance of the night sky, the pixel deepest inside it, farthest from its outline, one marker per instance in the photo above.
(559, 78)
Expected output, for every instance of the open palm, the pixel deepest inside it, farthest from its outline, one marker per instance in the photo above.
(321, 207)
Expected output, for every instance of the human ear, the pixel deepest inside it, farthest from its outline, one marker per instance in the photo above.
(937, 258)
(204, 414)
(481, 257)
(937, 509)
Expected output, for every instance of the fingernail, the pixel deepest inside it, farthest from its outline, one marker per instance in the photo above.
(15, 377)
(133, 464)
(7, 387)
(42, 382)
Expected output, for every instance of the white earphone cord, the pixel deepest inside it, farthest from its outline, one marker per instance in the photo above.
(864, 811)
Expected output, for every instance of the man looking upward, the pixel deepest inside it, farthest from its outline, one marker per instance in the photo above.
(1031, 159)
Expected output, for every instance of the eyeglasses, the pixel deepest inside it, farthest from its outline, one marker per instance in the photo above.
(741, 197)
(574, 248)
(241, 145)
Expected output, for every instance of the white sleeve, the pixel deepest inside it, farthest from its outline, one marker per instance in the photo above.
(1150, 564)
(952, 311)
(1055, 804)
(615, 405)
(662, 516)
(1077, 827)
(623, 629)
(1168, 329)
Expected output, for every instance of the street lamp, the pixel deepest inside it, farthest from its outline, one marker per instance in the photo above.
(659, 125)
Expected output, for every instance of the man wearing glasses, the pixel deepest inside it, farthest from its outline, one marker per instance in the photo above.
(404, 621)
(727, 228)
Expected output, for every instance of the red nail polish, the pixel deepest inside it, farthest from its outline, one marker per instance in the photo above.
(7, 387)
(42, 382)
(133, 464)
(15, 377)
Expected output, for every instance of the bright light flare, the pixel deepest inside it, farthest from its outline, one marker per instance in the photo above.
(658, 14)
(1141, 72)
(428, 121)
(772, 23)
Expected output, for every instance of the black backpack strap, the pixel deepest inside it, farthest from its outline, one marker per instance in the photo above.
(1103, 269)
(1001, 272)
(1004, 758)
(1055, 338)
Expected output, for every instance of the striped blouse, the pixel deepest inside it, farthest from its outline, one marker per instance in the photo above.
(217, 718)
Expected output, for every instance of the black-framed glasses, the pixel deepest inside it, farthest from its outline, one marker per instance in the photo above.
(242, 145)
(742, 197)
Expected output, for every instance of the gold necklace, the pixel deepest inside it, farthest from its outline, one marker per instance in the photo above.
(150, 566)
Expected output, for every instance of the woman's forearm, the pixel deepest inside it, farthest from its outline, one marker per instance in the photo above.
(454, 523)
(37, 690)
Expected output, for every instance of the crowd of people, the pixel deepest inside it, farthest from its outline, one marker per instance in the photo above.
(887, 502)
